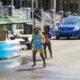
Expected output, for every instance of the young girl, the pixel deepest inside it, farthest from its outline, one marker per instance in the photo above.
(37, 42)
(47, 40)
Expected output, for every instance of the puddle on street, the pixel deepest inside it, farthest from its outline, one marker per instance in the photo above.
(25, 60)
(6, 64)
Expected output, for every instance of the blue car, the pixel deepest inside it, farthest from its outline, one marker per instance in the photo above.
(68, 27)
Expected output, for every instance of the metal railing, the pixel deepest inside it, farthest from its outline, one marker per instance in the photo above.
(46, 19)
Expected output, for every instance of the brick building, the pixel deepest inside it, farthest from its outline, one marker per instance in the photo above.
(16, 3)
(45, 4)
(65, 5)
(69, 5)
(61, 5)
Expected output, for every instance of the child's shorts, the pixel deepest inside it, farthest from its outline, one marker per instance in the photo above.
(38, 48)
(41, 52)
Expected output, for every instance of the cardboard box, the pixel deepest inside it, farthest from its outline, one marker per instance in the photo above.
(3, 35)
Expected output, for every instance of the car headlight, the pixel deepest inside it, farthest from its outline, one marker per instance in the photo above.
(56, 29)
(76, 28)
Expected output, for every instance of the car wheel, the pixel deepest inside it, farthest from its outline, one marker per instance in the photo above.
(78, 37)
(68, 37)
(57, 38)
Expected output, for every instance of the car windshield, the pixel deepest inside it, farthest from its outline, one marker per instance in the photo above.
(70, 21)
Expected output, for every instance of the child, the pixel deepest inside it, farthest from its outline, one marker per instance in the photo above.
(37, 42)
(47, 40)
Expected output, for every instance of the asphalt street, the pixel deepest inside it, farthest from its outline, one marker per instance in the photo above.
(65, 64)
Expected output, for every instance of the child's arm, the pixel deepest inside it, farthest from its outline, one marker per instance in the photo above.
(32, 41)
(43, 38)
(42, 42)
(49, 35)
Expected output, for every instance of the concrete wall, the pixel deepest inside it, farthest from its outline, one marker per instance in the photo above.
(23, 13)
(5, 11)
(11, 11)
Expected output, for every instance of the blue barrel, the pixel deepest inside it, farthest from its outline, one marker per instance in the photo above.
(9, 49)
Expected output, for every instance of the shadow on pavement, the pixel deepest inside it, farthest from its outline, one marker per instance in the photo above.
(29, 69)
(68, 39)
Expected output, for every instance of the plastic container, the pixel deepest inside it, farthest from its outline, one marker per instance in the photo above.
(9, 49)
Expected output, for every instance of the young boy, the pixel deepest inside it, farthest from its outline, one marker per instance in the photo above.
(38, 41)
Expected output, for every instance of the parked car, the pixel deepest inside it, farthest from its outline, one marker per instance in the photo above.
(68, 27)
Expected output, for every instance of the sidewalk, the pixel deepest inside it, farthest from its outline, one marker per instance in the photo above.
(20, 39)
(25, 52)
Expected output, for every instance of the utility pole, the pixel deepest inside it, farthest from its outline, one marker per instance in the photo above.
(33, 20)
(12, 3)
(12, 6)
(54, 11)
(20, 3)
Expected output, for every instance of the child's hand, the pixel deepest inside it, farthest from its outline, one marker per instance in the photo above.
(31, 45)
(42, 43)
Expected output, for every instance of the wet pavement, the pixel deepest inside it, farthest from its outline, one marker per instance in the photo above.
(10, 63)
(65, 64)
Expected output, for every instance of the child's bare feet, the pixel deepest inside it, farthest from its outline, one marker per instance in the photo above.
(51, 57)
(33, 65)
(45, 57)
(44, 66)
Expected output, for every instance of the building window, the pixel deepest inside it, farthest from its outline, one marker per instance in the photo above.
(21, 3)
(17, 3)
(73, 8)
(4, 2)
